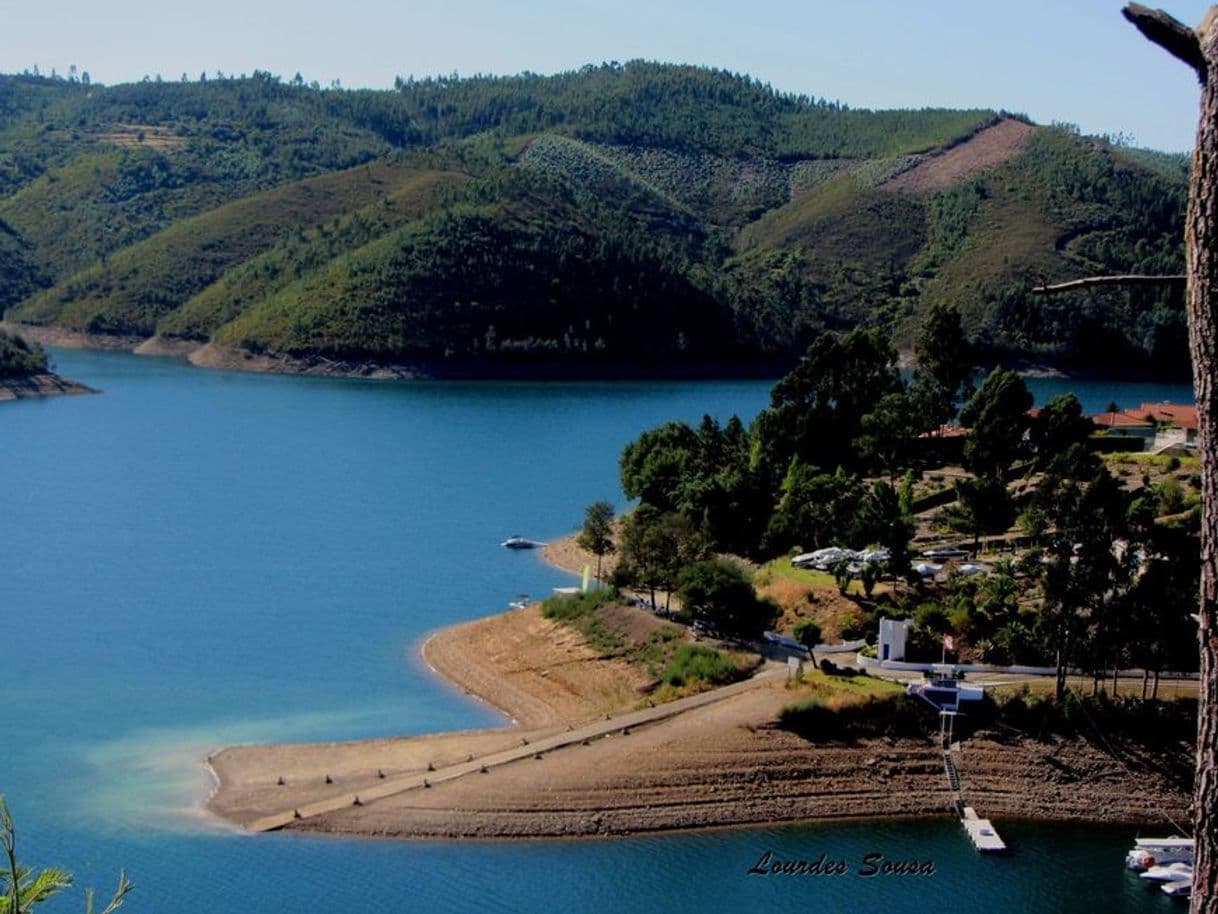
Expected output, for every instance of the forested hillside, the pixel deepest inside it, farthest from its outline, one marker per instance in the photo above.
(665, 218)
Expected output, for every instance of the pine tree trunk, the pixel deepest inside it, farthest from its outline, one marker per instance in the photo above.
(1201, 241)
(1199, 49)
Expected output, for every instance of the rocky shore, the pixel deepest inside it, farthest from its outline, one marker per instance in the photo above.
(40, 385)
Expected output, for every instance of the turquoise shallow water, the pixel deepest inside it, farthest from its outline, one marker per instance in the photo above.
(199, 558)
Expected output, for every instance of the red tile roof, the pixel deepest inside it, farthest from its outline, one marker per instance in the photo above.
(946, 431)
(1121, 420)
(1179, 415)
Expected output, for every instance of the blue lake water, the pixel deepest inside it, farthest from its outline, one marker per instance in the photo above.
(199, 558)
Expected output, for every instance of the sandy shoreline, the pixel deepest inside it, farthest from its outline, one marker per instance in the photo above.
(721, 764)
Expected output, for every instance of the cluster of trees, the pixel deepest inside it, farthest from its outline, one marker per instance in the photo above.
(796, 477)
(19, 359)
(833, 461)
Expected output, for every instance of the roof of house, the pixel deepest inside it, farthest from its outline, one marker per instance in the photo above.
(1180, 415)
(946, 431)
(1121, 420)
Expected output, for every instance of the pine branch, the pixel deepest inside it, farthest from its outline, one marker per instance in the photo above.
(1131, 279)
(1168, 33)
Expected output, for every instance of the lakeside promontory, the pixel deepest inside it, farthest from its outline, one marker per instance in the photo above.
(24, 372)
(724, 761)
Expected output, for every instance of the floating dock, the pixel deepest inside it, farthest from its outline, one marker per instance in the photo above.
(982, 833)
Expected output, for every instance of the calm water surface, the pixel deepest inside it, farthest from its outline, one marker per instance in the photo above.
(200, 558)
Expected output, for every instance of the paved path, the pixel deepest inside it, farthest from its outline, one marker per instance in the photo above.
(589, 731)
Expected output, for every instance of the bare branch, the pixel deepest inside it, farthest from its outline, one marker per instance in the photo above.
(1170, 34)
(1132, 279)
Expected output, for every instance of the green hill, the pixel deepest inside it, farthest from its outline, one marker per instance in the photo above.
(129, 291)
(668, 217)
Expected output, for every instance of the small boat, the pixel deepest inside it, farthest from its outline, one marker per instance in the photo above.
(1148, 852)
(1180, 889)
(1172, 872)
(516, 541)
(521, 601)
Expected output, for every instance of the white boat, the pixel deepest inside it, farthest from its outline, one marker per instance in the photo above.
(1171, 872)
(825, 559)
(516, 541)
(945, 554)
(1148, 852)
(521, 601)
(1181, 889)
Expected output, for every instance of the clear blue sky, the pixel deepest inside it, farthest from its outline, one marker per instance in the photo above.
(1067, 60)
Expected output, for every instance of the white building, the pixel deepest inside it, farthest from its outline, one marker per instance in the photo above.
(893, 634)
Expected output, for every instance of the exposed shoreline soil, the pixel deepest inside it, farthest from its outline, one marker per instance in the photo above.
(210, 355)
(722, 764)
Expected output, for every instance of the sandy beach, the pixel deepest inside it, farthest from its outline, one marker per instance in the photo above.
(721, 763)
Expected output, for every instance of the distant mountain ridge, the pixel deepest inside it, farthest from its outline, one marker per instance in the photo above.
(642, 217)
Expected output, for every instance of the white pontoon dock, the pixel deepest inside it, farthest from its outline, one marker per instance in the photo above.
(982, 833)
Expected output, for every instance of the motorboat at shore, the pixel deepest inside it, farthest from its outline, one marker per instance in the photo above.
(1181, 889)
(1150, 852)
(516, 541)
(1171, 872)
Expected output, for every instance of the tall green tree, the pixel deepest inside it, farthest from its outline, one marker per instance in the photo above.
(597, 533)
(1084, 577)
(882, 521)
(816, 410)
(888, 433)
(655, 466)
(655, 547)
(718, 593)
(983, 505)
(943, 369)
(1058, 432)
(817, 509)
(997, 418)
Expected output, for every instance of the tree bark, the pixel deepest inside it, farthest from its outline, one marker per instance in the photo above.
(1199, 49)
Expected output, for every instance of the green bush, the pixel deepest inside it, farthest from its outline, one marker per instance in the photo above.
(566, 607)
(697, 663)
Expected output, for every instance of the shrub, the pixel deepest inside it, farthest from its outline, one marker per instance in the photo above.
(718, 593)
(566, 607)
(696, 663)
